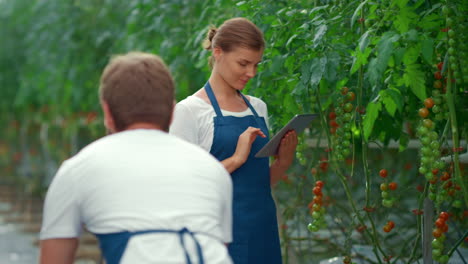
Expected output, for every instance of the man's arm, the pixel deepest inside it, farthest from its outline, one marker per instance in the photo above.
(58, 250)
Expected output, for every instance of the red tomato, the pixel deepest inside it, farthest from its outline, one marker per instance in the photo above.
(319, 184)
(429, 102)
(438, 75)
(344, 90)
(393, 186)
(317, 190)
(423, 112)
(437, 233)
(387, 229)
(383, 173)
(444, 216)
(440, 222)
(440, 65)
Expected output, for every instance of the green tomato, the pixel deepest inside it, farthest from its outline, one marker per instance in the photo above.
(433, 135)
(452, 42)
(437, 244)
(449, 21)
(387, 203)
(457, 204)
(316, 215)
(442, 238)
(436, 252)
(385, 194)
(422, 170)
(425, 140)
(346, 152)
(451, 33)
(312, 227)
(429, 176)
(440, 165)
(445, 10)
(444, 259)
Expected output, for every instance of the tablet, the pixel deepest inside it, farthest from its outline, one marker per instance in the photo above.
(297, 123)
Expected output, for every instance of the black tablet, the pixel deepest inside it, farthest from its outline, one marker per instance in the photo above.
(297, 123)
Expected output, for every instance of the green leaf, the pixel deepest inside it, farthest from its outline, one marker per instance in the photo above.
(317, 68)
(427, 50)
(411, 55)
(378, 65)
(372, 112)
(392, 100)
(333, 62)
(414, 78)
(398, 55)
(404, 18)
(305, 72)
(359, 59)
(322, 29)
(404, 141)
(299, 88)
(364, 40)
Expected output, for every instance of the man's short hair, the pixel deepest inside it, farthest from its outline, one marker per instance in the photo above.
(138, 87)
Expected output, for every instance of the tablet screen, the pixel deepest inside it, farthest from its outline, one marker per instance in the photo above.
(297, 123)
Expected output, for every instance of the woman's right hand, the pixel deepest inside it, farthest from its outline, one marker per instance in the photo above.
(244, 144)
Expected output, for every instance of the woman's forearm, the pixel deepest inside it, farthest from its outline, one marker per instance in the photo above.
(231, 164)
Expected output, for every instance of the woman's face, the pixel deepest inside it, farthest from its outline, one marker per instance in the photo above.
(238, 66)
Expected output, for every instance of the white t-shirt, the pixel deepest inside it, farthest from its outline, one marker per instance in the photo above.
(143, 179)
(193, 119)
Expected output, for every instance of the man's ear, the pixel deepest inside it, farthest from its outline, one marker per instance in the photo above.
(108, 118)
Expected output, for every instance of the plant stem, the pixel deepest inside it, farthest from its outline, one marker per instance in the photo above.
(455, 136)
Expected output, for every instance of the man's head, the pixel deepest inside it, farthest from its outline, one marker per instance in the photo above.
(136, 88)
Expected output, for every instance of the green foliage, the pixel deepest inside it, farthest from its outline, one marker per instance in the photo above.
(383, 51)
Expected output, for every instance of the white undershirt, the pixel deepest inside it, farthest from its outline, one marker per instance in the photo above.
(193, 119)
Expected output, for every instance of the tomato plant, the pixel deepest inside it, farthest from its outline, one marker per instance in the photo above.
(387, 79)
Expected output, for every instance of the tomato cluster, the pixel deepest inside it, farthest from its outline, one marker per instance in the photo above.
(457, 47)
(317, 210)
(388, 226)
(430, 153)
(439, 238)
(388, 200)
(340, 121)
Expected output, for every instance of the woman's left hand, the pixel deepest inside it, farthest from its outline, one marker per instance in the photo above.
(287, 150)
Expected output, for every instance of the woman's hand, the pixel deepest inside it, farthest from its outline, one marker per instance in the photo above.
(244, 145)
(287, 149)
(285, 157)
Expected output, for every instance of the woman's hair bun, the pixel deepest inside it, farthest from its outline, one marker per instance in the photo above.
(207, 43)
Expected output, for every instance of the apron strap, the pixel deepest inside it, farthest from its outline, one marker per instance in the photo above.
(249, 105)
(212, 98)
(214, 102)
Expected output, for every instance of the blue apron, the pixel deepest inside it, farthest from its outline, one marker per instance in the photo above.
(255, 228)
(113, 245)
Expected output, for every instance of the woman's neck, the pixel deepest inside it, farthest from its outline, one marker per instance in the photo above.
(221, 88)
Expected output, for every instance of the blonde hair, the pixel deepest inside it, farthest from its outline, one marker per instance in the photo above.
(138, 87)
(233, 33)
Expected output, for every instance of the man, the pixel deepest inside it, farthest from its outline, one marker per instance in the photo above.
(149, 197)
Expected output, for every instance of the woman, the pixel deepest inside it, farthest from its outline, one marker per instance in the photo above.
(233, 128)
